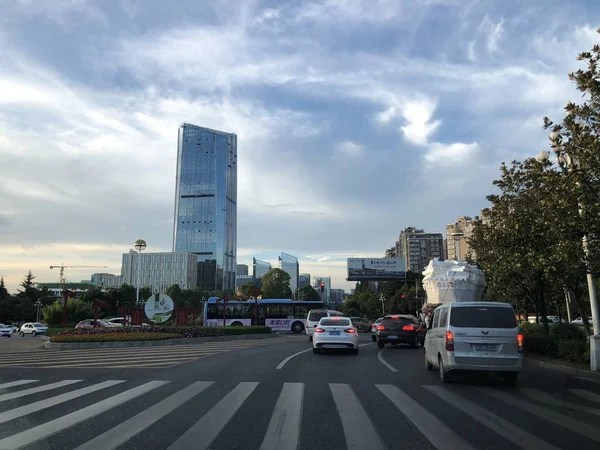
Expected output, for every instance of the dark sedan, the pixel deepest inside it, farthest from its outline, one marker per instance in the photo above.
(400, 329)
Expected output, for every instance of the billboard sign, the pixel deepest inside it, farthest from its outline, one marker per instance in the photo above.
(159, 308)
(376, 269)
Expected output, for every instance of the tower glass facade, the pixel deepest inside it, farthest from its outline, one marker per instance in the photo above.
(206, 203)
(259, 268)
(289, 264)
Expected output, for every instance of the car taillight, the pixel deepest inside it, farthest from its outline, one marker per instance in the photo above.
(319, 330)
(380, 328)
(350, 330)
(449, 341)
(520, 342)
(408, 328)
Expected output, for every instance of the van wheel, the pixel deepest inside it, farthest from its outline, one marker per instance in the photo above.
(444, 375)
(428, 365)
(374, 338)
(415, 342)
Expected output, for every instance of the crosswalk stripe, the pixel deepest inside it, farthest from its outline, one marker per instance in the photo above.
(284, 427)
(432, 428)
(538, 395)
(35, 390)
(585, 394)
(358, 428)
(52, 401)
(54, 426)
(551, 416)
(16, 383)
(205, 430)
(128, 429)
(494, 422)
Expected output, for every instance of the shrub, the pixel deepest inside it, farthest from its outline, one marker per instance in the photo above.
(76, 312)
(567, 332)
(540, 344)
(572, 349)
(142, 333)
(531, 328)
(245, 330)
(113, 337)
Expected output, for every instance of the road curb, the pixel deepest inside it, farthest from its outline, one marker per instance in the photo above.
(565, 369)
(163, 343)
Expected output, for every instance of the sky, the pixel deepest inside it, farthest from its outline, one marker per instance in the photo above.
(355, 119)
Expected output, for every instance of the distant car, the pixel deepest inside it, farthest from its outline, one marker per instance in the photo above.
(89, 323)
(314, 315)
(6, 330)
(335, 332)
(400, 329)
(33, 328)
(361, 323)
(374, 326)
(579, 321)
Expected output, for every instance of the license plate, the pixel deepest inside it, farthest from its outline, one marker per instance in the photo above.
(334, 333)
(392, 337)
(485, 347)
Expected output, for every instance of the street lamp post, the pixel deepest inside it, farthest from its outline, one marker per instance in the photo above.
(457, 236)
(572, 166)
(139, 245)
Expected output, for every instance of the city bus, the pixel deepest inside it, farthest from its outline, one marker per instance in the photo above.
(278, 314)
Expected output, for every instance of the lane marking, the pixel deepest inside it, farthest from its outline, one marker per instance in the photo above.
(586, 395)
(384, 362)
(16, 383)
(540, 396)
(285, 361)
(35, 390)
(284, 428)
(358, 428)
(62, 423)
(504, 428)
(53, 401)
(123, 432)
(592, 380)
(561, 420)
(210, 425)
(440, 436)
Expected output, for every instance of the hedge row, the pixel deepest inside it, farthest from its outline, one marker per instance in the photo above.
(150, 333)
(566, 341)
(113, 337)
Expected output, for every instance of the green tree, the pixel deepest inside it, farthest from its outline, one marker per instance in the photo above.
(27, 295)
(276, 284)
(309, 294)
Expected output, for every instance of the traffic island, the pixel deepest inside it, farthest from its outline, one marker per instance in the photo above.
(152, 336)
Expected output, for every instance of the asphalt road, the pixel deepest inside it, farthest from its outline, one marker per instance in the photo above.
(260, 398)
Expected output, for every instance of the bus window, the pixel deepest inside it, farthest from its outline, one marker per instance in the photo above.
(213, 312)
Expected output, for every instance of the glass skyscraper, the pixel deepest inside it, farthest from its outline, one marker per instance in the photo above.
(206, 203)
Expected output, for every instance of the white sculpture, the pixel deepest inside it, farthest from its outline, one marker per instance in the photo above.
(452, 281)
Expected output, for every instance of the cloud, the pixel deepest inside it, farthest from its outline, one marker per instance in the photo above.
(353, 119)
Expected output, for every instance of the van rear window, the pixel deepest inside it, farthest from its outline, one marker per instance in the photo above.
(483, 317)
(315, 316)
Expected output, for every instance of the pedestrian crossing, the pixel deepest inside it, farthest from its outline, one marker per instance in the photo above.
(129, 357)
(215, 413)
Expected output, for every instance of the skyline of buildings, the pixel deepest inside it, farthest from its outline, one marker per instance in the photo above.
(205, 216)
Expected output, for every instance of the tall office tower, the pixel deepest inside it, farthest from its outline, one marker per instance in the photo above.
(206, 203)
(289, 264)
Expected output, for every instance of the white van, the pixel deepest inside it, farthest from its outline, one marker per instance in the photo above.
(314, 315)
(475, 336)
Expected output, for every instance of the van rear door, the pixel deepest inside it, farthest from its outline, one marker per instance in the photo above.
(484, 334)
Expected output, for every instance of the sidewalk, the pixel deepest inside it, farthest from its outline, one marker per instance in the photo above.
(561, 367)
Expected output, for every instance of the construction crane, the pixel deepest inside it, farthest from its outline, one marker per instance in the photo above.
(63, 286)
(62, 268)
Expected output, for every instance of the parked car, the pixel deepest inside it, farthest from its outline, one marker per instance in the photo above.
(89, 323)
(33, 328)
(475, 336)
